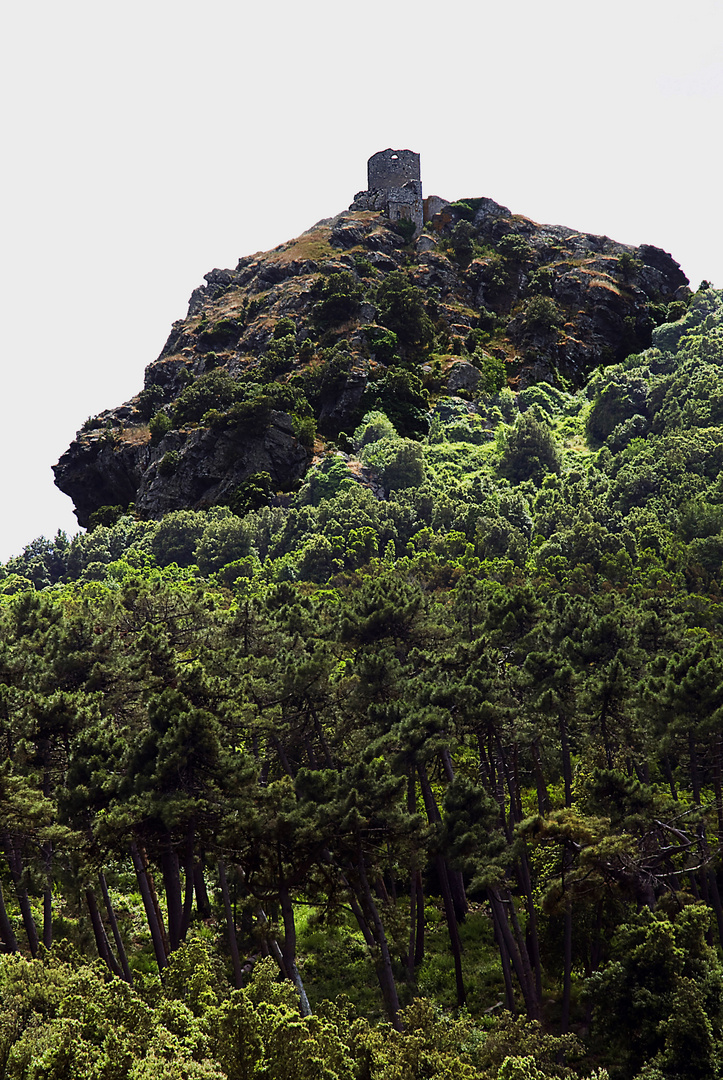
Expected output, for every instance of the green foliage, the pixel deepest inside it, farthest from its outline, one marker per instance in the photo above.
(541, 315)
(169, 463)
(160, 424)
(401, 310)
(221, 335)
(374, 426)
(284, 328)
(214, 390)
(541, 281)
(462, 242)
(383, 343)
(305, 430)
(552, 401)
(400, 395)
(499, 685)
(327, 378)
(326, 480)
(659, 998)
(530, 450)
(514, 247)
(494, 372)
(279, 356)
(340, 299)
(150, 400)
(400, 462)
(105, 515)
(628, 265)
(256, 491)
(462, 210)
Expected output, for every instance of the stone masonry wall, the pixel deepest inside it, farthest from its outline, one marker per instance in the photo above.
(406, 202)
(391, 169)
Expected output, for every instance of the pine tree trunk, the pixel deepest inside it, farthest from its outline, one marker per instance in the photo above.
(151, 908)
(48, 897)
(451, 917)
(419, 943)
(6, 930)
(520, 965)
(101, 938)
(376, 939)
(122, 955)
(526, 883)
(15, 863)
(717, 756)
(203, 904)
(453, 877)
(567, 970)
(543, 801)
(187, 912)
(230, 925)
(412, 924)
(172, 886)
(289, 951)
(505, 962)
(566, 762)
(28, 921)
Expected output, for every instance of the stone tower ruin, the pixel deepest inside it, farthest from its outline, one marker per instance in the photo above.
(391, 169)
(395, 188)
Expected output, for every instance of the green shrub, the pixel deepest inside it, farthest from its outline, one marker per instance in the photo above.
(514, 247)
(401, 309)
(374, 426)
(279, 357)
(175, 537)
(305, 430)
(340, 299)
(284, 328)
(541, 281)
(221, 335)
(383, 343)
(168, 463)
(462, 242)
(627, 265)
(530, 450)
(402, 397)
(325, 481)
(676, 310)
(623, 396)
(493, 370)
(363, 266)
(462, 209)
(159, 425)
(399, 462)
(255, 491)
(541, 315)
(150, 400)
(548, 398)
(214, 390)
(105, 515)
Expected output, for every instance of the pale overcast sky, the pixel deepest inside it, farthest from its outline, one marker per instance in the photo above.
(147, 142)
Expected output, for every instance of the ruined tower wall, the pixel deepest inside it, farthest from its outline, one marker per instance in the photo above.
(391, 169)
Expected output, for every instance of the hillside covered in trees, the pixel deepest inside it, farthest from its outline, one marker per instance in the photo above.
(411, 770)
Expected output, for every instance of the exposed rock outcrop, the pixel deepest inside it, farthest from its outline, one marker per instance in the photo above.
(306, 319)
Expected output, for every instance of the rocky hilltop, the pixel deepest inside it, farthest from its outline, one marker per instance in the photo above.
(289, 348)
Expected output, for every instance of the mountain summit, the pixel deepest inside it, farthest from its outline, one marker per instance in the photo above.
(397, 304)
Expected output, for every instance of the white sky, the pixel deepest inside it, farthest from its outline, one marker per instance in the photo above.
(146, 142)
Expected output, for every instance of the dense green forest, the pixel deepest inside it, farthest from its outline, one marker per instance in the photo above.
(425, 786)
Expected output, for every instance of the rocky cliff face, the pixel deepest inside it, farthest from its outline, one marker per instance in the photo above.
(310, 334)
